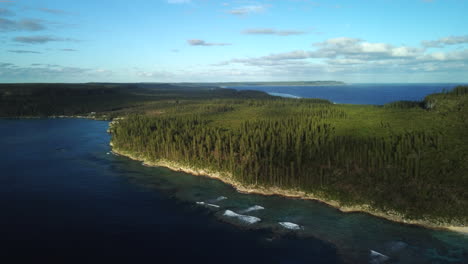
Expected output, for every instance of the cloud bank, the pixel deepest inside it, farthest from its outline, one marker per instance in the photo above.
(351, 55)
(48, 72)
(451, 40)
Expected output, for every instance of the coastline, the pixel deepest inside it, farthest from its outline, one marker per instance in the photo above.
(269, 191)
(91, 117)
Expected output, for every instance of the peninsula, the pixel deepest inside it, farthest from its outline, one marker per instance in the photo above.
(405, 161)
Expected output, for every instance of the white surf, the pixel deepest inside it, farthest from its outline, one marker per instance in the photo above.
(289, 225)
(253, 208)
(244, 218)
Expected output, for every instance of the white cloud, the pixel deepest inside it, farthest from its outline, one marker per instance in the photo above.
(248, 9)
(271, 31)
(351, 55)
(200, 74)
(451, 40)
(403, 52)
(357, 48)
(374, 47)
(292, 55)
(46, 72)
(341, 41)
(446, 56)
(340, 49)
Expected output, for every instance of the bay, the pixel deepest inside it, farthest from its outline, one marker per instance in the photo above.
(377, 94)
(65, 198)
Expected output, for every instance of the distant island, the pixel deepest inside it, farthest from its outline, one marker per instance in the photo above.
(292, 83)
(406, 161)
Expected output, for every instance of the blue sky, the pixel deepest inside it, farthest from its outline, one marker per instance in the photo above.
(213, 40)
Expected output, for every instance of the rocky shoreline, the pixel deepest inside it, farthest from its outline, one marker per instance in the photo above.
(227, 178)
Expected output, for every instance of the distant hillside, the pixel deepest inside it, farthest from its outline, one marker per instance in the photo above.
(229, 84)
(101, 99)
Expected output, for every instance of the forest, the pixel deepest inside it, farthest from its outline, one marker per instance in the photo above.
(107, 100)
(406, 157)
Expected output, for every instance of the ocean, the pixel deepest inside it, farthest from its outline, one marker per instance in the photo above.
(376, 94)
(64, 197)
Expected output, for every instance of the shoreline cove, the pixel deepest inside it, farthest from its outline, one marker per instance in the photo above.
(270, 191)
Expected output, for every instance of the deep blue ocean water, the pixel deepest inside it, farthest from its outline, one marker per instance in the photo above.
(377, 94)
(64, 198)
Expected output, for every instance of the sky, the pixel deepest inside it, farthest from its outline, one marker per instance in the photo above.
(354, 41)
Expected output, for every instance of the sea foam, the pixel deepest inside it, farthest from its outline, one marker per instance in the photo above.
(244, 218)
(289, 225)
(219, 199)
(208, 204)
(377, 258)
(285, 95)
(252, 208)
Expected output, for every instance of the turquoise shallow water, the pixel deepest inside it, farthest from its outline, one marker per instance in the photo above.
(354, 234)
(62, 189)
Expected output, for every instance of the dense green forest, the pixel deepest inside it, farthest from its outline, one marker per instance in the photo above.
(409, 157)
(106, 99)
(405, 156)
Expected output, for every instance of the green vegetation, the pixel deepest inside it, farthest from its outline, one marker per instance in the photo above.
(409, 157)
(404, 104)
(106, 99)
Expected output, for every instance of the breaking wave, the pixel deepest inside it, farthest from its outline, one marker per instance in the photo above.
(285, 95)
(244, 218)
(208, 204)
(252, 208)
(289, 225)
(219, 199)
(377, 258)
